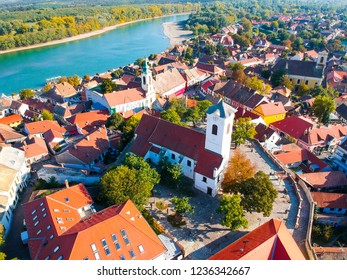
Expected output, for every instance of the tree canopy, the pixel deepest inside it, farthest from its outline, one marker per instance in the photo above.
(182, 206)
(2, 243)
(115, 121)
(134, 180)
(108, 86)
(26, 93)
(234, 216)
(322, 107)
(243, 129)
(47, 115)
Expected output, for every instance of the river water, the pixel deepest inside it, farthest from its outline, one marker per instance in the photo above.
(118, 47)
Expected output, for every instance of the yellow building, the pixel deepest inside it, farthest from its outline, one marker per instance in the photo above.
(271, 112)
(309, 73)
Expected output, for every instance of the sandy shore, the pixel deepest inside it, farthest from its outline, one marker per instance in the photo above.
(175, 32)
(171, 29)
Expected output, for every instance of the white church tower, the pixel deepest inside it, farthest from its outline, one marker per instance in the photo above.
(147, 84)
(219, 128)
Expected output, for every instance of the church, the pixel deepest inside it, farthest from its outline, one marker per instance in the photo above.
(132, 99)
(202, 156)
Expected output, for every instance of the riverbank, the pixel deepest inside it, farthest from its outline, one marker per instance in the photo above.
(176, 33)
(171, 33)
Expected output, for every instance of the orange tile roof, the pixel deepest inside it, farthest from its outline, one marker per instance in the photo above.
(270, 241)
(65, 89)
(318, 135)
(124, 96)
(330, 200)
(11, 119)
(90, 120)
(43, 126)
(270, 109)
(36, 147)
(324, 179)
(84, 236)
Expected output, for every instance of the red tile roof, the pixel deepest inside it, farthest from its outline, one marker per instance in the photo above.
(270, 241)
(124, 96)
(319, 135)
(90, 120)
(293, 126)
(75, 241)
(330, 200)
(185, 141)
(35, 147)
(324, 179)
(11, 119)
(41, 127)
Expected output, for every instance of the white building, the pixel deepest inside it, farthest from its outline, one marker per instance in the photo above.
(202, 156)
(13, 175)
(129, 99)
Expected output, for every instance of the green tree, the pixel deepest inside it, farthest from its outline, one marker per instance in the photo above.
(73, 80)
(302, 90)
(234, 216)
(182, 206)
(171, 115)
(319, 90)
(129, 129)
(193, 115)
(47, 115)
(175, 172)
(203, 106)
(285, 81)
(243, 129)
(254, 83)
(108, 86)
(239, 169)
(2, 243)
(258, 194)
(134, 180)
(179, 106)
(115, 121)
(322, 107)
(26, 93)
(276, 77)
(47, 88)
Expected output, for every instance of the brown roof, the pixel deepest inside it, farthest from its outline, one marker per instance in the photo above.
(90, 120)
(168, 80)
(270, 241)
(65, 89)
(8, 134)
(324, 179)
(330, 200)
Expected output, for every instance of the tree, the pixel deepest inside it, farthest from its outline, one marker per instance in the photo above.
(170, 174)
(47, 115)
(47, 87)
(171, 115)
(203, 106)
(276, 77)
(258, 194)
(322, 107)
(285, 81)
(182, 206)
(238, 76)
(26, 93)
(134, 180)
(193, 115)
(254, 83)
(239, 169)
(73, 80)
(302, 90)
(178, 105)
(319, 90)
(115, 121)
(129, 129)
(243, 129)
(108, 86)
(247, 27)
(2, 243)
(234, 216)
(175, 172)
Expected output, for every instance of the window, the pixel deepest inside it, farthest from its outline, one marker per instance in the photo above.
(35, 218)
(56, 210)
(321, 59)
(47, 258)
(48, 227)
(115, 241)
(189, 163)
(45, 214)
(51, 237)
(141, 249)
(173, 156)
(95, 251)
(86, 258)
(37, 222)
(37, 233)
(144, 80)
(41, 204)
(125, 237)
(204, 179)
(43, 209)
(60, 257)
(104, 244)
(298, 82)
(66, 211)
(121, 257)
(306, 82)
(69, 219)
(33, 212)
(132, 254)
(56, 249)
(214, 129)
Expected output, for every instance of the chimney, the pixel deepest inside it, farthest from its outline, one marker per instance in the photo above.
(87, 137)
(75, 146)
(67, 183)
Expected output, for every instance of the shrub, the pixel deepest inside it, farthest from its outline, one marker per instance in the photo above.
(161, 205)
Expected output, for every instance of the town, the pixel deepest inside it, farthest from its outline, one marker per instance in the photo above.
(230, 145)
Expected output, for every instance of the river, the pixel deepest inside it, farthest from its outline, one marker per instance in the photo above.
(119, 47)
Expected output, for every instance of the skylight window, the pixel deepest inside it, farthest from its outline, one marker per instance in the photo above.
(121, 257)
(60, 257)
(37, 233)
(35, 218)
(43, 209)
(41, 204)
(56, 249)
(95, 251)
(37, 222)
(125, 237)
(48, 227)
(104, 244)
(141, 249)
(45, 214)
(56, 210)
(132, 254)
(115, 241)
(51, 237)
(33, 212)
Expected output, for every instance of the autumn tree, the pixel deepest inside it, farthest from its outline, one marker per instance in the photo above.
(26, 93)
(243, 129)
(258, 194)
(285, 81)
(133, 180)
(73, 80)
(47, 115)
(234, 216)
(239, 170)
(322, 107)
(47, 87)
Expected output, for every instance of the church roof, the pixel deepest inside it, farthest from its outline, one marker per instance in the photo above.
(185, 141)
(221, 109)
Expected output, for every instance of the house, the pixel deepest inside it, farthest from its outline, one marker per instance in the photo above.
(323, 181)
(193, 76)
(40, 127)
(9, 136)
(60, 93)
(282, 90)
(340, 156)
(270, 241)
(36, 105)
(341, 112)
(210, 69)
(266, 135)
(223, 39)
(180, 66)
(87, 153)
(203, 156)
(5, 105)
(294, 157)
(254, 118)
(307, 73)
(65, 226)
(170, 82)
(14, 173)
(292, 127)
(88, 121)
(330, 203)
(323, 138)
(13, 120)
(277, 97)
(130, 99)
(271, 112)
(55, 140)
(18, 107)
(35, 149)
